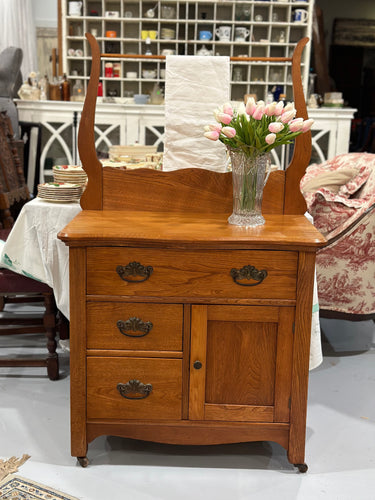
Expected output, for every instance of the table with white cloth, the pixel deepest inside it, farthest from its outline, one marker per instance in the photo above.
(32, 247)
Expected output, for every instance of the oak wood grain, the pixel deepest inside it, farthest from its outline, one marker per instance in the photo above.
(301, 350)
(192, 190)
(105, 401)
(191, 432)
(192, 273)
(77, 257)
(160, 229)
(198, 350)
(165, 326)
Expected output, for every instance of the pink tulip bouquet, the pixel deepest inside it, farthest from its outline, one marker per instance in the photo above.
(249, 133)
(257, 127)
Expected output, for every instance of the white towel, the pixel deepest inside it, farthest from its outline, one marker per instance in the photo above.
(195, 86)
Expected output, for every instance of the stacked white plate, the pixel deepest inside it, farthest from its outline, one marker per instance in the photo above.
(63, 192)
(69, 173)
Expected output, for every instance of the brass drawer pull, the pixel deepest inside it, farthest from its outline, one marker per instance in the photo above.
(247, 273)
(134, 269)
(134, 325)
(135, 387)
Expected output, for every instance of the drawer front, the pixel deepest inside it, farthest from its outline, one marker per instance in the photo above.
(173, 273)
(149, 388)
(138, 326)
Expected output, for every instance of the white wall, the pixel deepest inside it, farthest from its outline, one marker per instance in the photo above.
(45, 13)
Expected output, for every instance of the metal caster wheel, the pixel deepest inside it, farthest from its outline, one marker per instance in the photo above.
(301, 467)
(83, 461)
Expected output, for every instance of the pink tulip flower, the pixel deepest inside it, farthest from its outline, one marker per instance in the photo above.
(229, 132)
(307, 124)
(279, 108)
(259, 111)
(213, 135)
(270, 109)
(296, 125)
(275, 127)
(227, 109)
(215, 126)
(223, 117)
(287, 116)
(270, 138)
(289, 106)
(250, 106)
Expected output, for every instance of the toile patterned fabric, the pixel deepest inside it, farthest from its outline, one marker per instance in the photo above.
(340, 196)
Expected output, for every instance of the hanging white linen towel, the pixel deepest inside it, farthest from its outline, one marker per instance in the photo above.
(195, 86)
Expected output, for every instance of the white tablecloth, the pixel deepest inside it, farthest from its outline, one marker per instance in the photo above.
(33, 249)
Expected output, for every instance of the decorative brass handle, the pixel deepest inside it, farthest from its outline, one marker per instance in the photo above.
(134, 269)
(247, 273)
(135, 387)
(134, 325)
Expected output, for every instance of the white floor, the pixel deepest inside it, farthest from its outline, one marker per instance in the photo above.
(340, 446)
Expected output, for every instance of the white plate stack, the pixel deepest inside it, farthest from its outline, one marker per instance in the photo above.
(60, 192)
(69, 173)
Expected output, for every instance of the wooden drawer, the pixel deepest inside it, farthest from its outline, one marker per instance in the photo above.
(135, 326)
(174, 273)
(163, 401)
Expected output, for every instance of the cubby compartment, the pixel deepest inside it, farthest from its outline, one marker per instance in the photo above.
(186, 27)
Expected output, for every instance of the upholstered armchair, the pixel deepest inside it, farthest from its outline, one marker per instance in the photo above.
(340, 195)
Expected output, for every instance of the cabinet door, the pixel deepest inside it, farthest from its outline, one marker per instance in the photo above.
(241, 363)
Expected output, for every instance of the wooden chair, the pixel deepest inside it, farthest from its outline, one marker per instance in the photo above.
(14, 287)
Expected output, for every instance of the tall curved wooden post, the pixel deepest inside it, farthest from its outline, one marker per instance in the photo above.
(294, 202)
(92, 198)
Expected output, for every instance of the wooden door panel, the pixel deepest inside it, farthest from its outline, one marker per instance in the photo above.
(244, 355)
(240, 363)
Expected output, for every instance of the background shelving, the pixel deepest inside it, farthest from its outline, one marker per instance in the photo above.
(272, 32)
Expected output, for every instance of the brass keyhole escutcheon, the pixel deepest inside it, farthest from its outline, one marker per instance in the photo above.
(197, 365)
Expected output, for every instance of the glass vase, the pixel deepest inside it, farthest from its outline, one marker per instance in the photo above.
(249, 179)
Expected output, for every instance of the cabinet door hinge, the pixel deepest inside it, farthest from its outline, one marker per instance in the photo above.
(293, 328)
(289, 403)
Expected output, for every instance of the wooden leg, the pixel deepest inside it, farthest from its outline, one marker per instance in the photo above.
(301, 467)
(83, 461)
(62, 326)
(49, 322)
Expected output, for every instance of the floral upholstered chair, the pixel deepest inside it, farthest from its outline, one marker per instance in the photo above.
(340, 196)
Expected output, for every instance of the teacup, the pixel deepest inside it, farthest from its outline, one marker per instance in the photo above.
(223, 33)
(153, 34)
(300, 16)
(75, 8)
(168, 12)
(149, 73)
(205, 35)
(240, 34)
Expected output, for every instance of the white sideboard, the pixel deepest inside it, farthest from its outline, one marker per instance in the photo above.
(129, 124)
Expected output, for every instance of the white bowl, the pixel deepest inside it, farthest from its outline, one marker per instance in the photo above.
(131, 74)
(149, 73)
